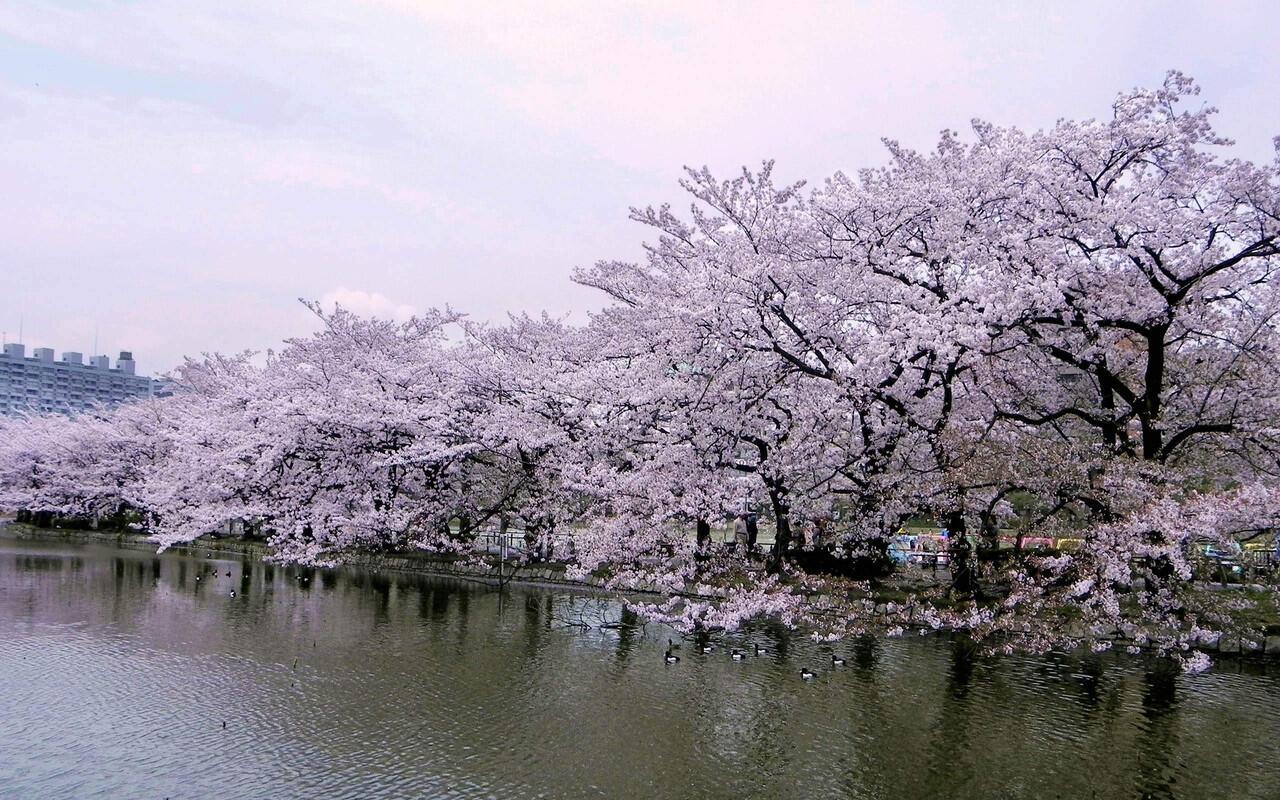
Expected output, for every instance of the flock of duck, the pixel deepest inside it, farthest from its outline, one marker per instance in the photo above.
(670, 657)
(738, 655)
(213, 570)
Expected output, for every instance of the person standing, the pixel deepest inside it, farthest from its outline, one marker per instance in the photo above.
(740, 538)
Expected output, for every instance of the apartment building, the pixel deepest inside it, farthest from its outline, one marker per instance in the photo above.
(40, 384)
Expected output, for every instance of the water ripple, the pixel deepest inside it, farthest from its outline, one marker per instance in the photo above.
(118, 671)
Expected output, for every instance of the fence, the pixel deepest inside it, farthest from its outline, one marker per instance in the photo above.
(1249, 566)
(514, 542)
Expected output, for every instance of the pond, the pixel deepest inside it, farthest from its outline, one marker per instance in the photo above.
(126, 674)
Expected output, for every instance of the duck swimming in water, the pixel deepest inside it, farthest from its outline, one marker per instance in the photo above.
(807, 674)
(706, 648)
(761, 650)
(836, 661)
(670, 657)
(737, 655)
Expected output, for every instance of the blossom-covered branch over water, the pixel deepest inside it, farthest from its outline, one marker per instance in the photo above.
(1069, 332)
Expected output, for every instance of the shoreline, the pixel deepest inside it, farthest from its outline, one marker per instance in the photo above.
(435, 565)
(425, 564)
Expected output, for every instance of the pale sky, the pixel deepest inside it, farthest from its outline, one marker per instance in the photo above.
(177, 174)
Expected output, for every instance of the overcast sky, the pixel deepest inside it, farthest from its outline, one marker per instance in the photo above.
(177, 174)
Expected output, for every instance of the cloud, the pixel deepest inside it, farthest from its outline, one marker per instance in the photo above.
(367, 304)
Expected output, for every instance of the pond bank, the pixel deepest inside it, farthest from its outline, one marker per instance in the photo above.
(551, 575)
(429, 564)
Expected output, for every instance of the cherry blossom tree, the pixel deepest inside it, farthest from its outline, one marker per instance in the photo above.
(1077, 324)
(89, 465)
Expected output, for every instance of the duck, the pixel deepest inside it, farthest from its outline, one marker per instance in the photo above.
(737, 655)
(836, 661)
(807, 674)
(706, 648)
(671, 658)
(233, 592)
(761, 650)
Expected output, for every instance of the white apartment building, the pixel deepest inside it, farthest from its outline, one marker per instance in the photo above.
(41, 385)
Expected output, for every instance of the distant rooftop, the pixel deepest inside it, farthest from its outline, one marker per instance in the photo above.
(124, 363)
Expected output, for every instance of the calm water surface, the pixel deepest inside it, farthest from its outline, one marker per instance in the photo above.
(118, 670)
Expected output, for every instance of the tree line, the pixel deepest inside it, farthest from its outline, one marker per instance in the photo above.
(1072, 331)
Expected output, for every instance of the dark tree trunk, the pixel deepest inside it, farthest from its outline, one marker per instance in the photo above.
(781, 515)
(990, 539)
(704, 537)
(1152, 437)
(963, 581)
(537, 535)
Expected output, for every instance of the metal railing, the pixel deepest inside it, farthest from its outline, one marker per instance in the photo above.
(516, 543)
(1249, 566)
